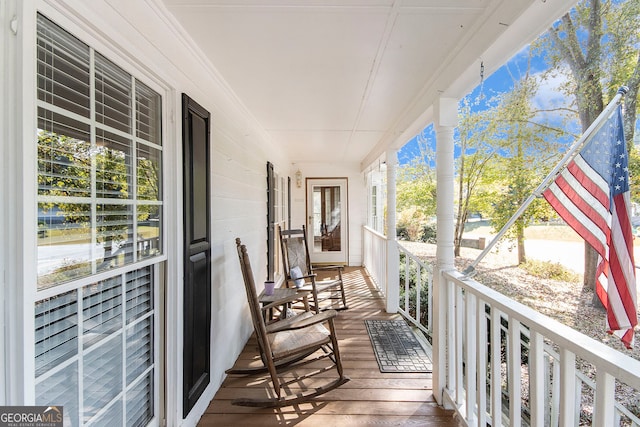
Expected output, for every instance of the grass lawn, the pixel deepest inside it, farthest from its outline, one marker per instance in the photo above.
(78, 236)
(552, 232)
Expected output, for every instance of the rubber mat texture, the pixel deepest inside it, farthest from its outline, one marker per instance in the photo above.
(396, 347)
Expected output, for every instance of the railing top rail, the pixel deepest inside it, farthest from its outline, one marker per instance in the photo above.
(602, 356)
(413, 257)
(372, 231)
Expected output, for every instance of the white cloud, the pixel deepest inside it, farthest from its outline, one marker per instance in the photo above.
(549, 96)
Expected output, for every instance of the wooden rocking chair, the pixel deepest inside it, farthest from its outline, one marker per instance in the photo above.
(299, 273)
(290, 343)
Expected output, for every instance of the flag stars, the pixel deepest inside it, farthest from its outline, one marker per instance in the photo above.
(610, 164)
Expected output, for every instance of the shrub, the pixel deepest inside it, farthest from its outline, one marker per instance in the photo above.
(550, 270)
(428, 233)
(411, 220)
(402, 233)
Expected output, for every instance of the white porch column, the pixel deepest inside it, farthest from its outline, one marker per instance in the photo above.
(446, 114)
(393, 281)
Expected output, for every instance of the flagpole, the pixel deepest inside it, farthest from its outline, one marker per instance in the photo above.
(569, 155)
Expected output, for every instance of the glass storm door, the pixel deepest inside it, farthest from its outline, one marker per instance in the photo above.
(327, 220)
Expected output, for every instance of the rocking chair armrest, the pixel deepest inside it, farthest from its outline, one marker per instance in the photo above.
(305, 322)
(283, 324)
(308, 276)
(328, 267)
(285, 300)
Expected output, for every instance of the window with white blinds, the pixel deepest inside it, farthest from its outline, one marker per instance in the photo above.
(94, 351)
(277, 208)
(279, 220)
(376, 183)
(100, 208)
(99, 162)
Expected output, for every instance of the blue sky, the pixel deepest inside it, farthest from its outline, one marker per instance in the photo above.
(500, 81)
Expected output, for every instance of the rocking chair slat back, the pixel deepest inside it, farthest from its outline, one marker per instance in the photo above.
(289, 343)
(299, 272)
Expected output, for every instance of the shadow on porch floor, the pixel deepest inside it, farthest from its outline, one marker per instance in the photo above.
(371, 397)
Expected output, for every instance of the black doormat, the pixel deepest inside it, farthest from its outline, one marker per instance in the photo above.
(396, 347)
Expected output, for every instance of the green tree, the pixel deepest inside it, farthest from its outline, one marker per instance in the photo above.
(477, 153)
(598, 42)
(529, 147)
(416, 190)
(66, 165)
(634, 173)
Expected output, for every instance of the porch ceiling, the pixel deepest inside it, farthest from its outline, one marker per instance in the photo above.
(342, 80)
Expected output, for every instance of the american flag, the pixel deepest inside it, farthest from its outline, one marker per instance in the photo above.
(592, 195)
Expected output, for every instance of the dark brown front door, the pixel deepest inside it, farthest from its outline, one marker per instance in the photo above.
(197, 252)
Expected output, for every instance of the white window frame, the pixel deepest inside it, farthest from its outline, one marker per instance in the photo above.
(6, 66)
(20, 195)
(376, 178)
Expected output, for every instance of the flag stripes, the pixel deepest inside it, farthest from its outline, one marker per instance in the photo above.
(592, 195)
(588, 210)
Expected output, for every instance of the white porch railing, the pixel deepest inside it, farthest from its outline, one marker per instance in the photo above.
(510, 365)
(375, 257)
(415, 306)
(416, 291)
(539, 364)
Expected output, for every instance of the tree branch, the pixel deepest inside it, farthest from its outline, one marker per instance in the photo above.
(594, 46)
(569, 48)
(630, 100)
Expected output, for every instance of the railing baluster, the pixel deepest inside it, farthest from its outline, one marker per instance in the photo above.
(430, 302)
(407, 283)
(496, 367)
(570, 389)
(536, 379)
(481, 322)
(555, 392)
(459, 348)
(471, 353)
(603, 410)
(451, 334)
(515, 374)
(418, 290)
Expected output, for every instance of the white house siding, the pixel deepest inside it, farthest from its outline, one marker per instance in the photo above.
(141, 38)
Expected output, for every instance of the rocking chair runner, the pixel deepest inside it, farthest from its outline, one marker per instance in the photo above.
(299, 272)
(288, 344)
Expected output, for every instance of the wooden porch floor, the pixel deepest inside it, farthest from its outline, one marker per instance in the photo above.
(371, 397)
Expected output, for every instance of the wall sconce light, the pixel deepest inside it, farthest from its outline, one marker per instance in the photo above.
(298, 178)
